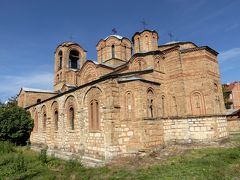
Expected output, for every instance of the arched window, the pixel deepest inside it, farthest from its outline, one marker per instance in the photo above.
(101, 51)
(129, 112)
(197, 104)
(217, 105)
(57, 77)
(113, 51)
(71, 117)
(60, 60)
(139, 65)
(44, 121)
(147, 42)
(215, 87)
(94, 123)
(138, 41)
(60, 78)
(163, 106)
(125, 52)
(56, 120)
(74, 59)
(150, 103)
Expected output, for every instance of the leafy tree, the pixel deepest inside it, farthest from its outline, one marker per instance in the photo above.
(226, 95)
(15, 123)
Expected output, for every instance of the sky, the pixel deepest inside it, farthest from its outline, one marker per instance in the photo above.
(30, 31)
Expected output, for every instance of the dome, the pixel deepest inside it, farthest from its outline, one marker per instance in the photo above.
(116, 36)
(68, 43)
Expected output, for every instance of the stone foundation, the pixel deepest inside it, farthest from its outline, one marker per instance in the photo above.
(233, 124)
(134, 137)
(195, 129)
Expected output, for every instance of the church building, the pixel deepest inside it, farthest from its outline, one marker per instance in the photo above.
(137, 97)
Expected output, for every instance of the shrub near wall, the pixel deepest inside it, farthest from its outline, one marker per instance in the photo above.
(15, 123)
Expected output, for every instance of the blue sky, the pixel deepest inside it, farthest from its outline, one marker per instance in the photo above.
(31, 30)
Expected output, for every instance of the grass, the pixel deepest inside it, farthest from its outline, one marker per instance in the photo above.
(207, 163)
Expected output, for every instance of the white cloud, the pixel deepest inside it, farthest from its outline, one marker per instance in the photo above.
(230, 54)
(10, 85)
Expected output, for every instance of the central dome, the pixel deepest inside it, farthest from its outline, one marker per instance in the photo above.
(114, 35)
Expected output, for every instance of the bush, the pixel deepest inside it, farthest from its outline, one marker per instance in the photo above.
(6, 147)
(19, 164)
(15, 123)
(43, 155)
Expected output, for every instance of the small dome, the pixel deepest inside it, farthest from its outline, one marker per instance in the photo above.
(116, 36)
(172, 42)
(68, 43)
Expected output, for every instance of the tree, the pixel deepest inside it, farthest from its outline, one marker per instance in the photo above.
(226, 97)
(15, 123)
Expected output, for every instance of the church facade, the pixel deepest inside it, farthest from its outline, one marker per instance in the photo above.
(138, 96)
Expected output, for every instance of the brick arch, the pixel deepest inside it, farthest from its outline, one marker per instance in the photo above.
(88, 72)
(113, 41)
(35, 119)
(127, 43)
(92, 99)
(151, 108)
(70, 106)
(138, 64)
(197, 103)
(76, 48)
(159, 63)
(90, 91)
(164, 105)
(44, 116)
(55, 114)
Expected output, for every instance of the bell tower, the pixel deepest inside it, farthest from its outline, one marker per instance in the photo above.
(69, 58)
(145, 41)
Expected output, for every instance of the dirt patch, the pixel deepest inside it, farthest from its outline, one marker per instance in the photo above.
(146, 159)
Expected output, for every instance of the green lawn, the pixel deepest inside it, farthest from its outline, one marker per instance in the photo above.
(207, 163)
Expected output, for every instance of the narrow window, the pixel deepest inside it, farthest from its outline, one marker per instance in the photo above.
(94, 123)
(197, 104)
(57, 77)
(139, 65)
(71, 118)
(129, 105)
(150, 104)
(113, 51)
(158, 65)
(56, 120)
(101, 54)
(138, 41)
(44, 121)
(147, 43)
(60, 78)
(91, 116)
(163, 106)
(96, 115)
(74, 59)
(215, 87)
(218, 104)
(60, 60)
(125, 52)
